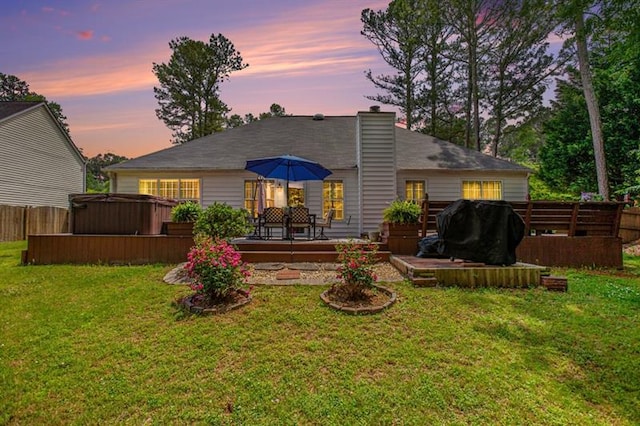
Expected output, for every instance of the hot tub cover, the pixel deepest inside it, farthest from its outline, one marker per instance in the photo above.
(480, 231)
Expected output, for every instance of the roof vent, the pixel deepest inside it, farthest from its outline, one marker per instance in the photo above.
(318, 117)
(374, 108)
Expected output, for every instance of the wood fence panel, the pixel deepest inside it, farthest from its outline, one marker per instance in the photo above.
(18, 222)
(630, 224)
(12, 221)
(47, 220)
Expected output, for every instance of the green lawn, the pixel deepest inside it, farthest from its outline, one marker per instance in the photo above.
(99, 344)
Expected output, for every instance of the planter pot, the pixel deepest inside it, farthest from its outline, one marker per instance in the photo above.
(403, 244)
(401, 238)
(400, 229)
(374, 236)
(179, 228)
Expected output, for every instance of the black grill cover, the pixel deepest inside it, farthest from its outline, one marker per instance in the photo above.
(480, 231)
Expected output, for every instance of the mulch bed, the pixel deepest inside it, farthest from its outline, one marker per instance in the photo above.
(199, 304)
(373, 301)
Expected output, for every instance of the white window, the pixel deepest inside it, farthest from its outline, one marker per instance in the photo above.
(179, 189)
(148, 186)
(414, 191)
(333, 198)
(482, 189)
(251, 197)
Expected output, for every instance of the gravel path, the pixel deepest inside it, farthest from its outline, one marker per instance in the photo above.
(310, 274)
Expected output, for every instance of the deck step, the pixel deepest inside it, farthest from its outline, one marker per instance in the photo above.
(424, 282)
(298, 256)
(554, 283)
(305, 256)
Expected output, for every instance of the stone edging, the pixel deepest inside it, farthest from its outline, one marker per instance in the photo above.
(361, 310)
(187, 303)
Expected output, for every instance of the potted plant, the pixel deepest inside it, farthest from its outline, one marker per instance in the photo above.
(400, 227)
(183, 217)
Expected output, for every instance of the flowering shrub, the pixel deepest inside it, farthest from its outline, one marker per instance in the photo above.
(356, 267)
(215, 268)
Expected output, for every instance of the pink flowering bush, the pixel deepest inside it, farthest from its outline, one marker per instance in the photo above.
(216, 269)
(356, 268)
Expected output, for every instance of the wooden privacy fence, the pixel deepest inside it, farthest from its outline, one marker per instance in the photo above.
(558, 233)
(630, 224)
(18, 222)
(572, 219)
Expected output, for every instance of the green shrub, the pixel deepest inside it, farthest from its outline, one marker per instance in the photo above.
(402, 211)
(188, 211)
(221, 221)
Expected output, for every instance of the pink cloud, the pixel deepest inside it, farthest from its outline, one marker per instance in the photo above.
(105, 39)
(97, 75)
(324, 43)
(326, 47)
(84, 35)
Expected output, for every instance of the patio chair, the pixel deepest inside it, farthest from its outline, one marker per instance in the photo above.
(326, 223)
(299, 218)
(272, 218)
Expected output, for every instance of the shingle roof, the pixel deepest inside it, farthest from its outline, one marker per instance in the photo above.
(9, 108)
(331, 142)
(417, 151)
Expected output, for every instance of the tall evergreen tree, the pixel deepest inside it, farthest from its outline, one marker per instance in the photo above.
(434, 98)
(518, 65)
(14, 89)
(188, 96)
(396, 32)
(472, 21)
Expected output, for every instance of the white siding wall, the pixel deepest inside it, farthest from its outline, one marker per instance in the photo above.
(38, 167)
(445, 186)
(339, 228)
(376, 163)
(228, 187)
(224, 187)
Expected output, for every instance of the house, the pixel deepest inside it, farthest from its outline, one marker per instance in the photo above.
(39, 164)
(373, 162)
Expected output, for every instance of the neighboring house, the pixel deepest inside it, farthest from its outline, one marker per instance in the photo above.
(39, 164)
(373, 162)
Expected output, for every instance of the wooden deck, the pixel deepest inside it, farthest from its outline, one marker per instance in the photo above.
(557, 234)
(431, 272)
(259, 251)
(106, 249)
(146, 249)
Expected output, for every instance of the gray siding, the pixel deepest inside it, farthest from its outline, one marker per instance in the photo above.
(349, 227)
(38, 166)
(376, 163)
(228, 187)
(448, 185)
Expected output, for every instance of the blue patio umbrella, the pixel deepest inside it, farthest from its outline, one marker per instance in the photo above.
(289, 168)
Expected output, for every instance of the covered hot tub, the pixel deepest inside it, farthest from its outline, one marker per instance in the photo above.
(118, 214)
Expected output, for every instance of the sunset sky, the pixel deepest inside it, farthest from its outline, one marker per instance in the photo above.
(95, 57)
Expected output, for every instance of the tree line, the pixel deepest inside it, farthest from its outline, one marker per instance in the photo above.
(474, 72)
